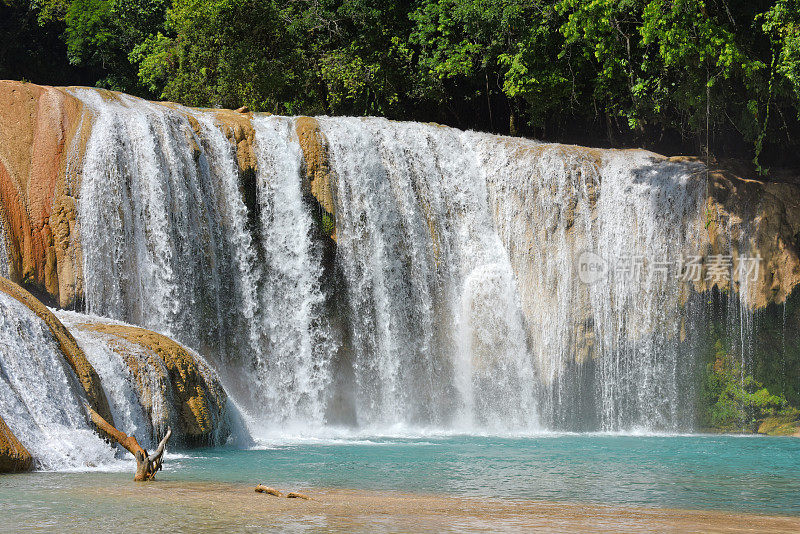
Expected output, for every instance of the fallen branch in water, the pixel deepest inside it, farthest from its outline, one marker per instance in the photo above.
(269, 491)
(146, 465)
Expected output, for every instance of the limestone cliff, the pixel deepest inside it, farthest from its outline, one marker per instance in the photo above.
(317, 179)
(14, 456)
(38, 129)
(770, 213)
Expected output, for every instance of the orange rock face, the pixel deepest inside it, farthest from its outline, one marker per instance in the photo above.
(317, 177)
(37, 126)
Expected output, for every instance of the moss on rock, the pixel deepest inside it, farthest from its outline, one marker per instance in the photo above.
(317, 176)
(165, 369)
(787, 424)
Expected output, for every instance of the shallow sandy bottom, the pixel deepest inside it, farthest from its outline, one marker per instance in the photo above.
(203, 507)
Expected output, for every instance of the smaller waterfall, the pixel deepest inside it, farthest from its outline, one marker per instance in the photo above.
(40, 398)
(142, 389)
(118, 382)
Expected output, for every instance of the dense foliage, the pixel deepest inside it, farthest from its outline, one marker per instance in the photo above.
(733, 400)
(674, 75)
(743, 393)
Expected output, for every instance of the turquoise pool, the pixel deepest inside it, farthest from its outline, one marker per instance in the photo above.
(701, 472)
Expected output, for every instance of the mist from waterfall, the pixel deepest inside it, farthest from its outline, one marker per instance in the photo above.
(453, 301)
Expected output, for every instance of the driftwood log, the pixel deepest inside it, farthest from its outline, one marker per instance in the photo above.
(146, 465)
(261, 488)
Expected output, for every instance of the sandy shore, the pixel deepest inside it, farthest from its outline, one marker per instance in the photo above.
(200, 507)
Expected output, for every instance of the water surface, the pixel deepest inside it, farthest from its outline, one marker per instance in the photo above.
(728, 473)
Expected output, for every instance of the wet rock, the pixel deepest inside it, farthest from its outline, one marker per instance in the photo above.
(317, 180)
(174, 386)
(74, 356)
(780, 425)
(14, 457)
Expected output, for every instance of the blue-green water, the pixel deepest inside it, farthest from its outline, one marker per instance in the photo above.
(730, 473)
(737, 473)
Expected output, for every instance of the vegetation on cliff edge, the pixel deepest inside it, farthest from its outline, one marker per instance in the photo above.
(672, 75)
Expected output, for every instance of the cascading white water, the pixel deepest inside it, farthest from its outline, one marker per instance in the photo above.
(454, 299)
(151, 233)
(436, 330)
(168, 245)
(41, 399)
(555, 206)
(293, 362)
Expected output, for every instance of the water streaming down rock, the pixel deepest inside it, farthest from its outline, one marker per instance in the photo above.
(293, 357)
(153, 383)
(610, 352)
(40, 397)
(149, 222)
(118, 384)
(176, 251)
(436, 331)
(454, 299)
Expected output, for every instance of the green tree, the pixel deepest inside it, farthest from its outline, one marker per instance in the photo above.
(231, 53)
(365, 61)
(732, 400)
(102, 33)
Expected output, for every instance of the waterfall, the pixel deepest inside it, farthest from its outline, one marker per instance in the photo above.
(168, 245)
(143, 404)
(556, 206)
(41, 399)
(294, 355)
(455, 298)
(152, 239)
(436, 329)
